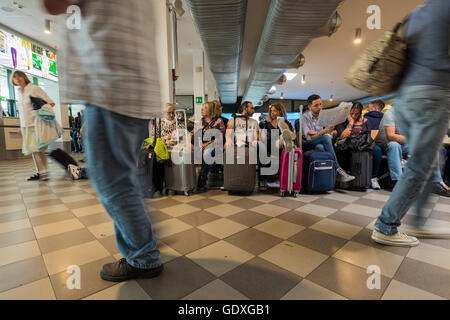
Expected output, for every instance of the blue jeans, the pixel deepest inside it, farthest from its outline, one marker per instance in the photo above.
(112, 146)
(322, 143)
(394, 152)
(377, 155)
(421, 114)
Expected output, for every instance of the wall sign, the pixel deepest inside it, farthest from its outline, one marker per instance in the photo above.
(198, 99)
(19, 54)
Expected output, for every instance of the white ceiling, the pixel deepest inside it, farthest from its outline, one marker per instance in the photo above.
(327, 59)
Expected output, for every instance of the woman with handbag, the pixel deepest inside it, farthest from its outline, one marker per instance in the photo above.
(357, 125)
(27, 115)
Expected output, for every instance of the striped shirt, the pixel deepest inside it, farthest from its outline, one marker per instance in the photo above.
(111, 61)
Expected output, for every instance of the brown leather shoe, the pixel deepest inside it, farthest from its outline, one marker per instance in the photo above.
(121, 271)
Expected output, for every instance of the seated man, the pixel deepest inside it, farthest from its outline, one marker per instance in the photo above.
(394, 145)
(318, 138)
(375, 115)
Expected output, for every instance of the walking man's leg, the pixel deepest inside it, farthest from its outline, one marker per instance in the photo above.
(421, 113)
(112, 145)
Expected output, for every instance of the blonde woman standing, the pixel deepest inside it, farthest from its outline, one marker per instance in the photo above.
(27, 116)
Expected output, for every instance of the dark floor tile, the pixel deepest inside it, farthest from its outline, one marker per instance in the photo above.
(17, 274)
(300, 218)
(443, 243)
(364, 237)
(246, 203)
(65, 240)
(249, 218)
(6, 217)
(70, 193)
(330, 203)
(444, 200)
(253, 241)
(16, 237)
(94, 219)
(110, 244)
(439, 215)
(204, 203)
(351, 218)
(90, 281)
(261, 280)
(8, 203)
(190, 240)
(288, 203)
(370, 203)
(318, 241)
(198, 218)
(164, 203)
(51, 218)
(45, 203)
(425, 276)
(347, 280)
(157, 216)
(82, 203)
(180, 277)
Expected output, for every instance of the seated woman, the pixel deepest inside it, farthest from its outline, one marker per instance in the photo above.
(210, 120)
(355, 125)
(169, 128)
(286, 135)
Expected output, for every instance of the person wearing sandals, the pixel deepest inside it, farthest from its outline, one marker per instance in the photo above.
(27, 116)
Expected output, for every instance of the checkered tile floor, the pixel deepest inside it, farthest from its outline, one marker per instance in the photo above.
(214, 246)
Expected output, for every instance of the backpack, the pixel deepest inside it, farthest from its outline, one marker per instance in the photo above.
(380, 68)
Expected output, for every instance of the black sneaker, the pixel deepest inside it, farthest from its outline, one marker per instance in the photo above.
(439, 189)
(35, 177)
(121, 271)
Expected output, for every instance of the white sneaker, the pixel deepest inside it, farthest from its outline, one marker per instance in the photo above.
(74, 172)
(399, 239)
(375, 184)
(345, 177)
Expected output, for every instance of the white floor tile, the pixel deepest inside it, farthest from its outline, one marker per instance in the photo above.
(129, 290)
(216, 290)
(337, 228)
(11, 226)
(307, 290)
(400, 291)
(317, 210)
(102, 230)
(222, 228)
(59, 227)
(279, 228)
(58, 261)
(19, 252)
(428, 253)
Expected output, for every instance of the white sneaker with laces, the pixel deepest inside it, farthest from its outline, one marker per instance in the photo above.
(399, 239)
(74, 172)
(345, 177)
(375, 184)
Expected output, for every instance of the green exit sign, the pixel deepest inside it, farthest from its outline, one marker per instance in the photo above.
(2, 98)
(198, 100)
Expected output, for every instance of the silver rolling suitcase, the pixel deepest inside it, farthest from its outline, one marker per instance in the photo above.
(181, 176)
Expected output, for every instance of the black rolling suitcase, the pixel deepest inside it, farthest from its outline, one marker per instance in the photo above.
(63, 158)
(361, 168)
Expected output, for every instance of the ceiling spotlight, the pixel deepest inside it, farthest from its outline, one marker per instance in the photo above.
(290, 75)
(272, 90)
(331, 98)
(281, 80)
(178, 7)
(304, 79)
(47, 27)
(358, 36)
(282, 96)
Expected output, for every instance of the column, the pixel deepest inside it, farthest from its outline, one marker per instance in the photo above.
(199, 82)
(164, 51)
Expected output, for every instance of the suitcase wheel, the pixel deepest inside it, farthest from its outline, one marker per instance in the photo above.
(295, 194)
(282, 194)
(187, 193)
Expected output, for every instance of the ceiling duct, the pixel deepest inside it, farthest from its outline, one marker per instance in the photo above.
(282, 80)
(289, 28)
(220, 25)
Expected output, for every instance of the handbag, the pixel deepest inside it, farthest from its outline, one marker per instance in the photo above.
(37, 103)
(357, 143)
(380, 68)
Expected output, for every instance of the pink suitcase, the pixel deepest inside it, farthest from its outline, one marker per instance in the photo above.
(291, 172)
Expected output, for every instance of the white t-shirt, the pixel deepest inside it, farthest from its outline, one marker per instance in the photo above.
(26, 112)
(253, 128)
